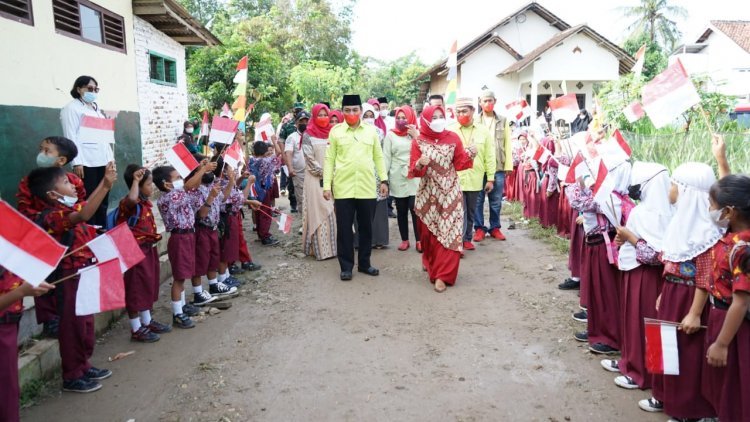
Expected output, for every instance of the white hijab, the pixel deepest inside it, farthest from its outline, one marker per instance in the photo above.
(652, 214)
(691, 231)
(619, 176)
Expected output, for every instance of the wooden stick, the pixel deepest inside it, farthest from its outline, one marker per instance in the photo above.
(705, 118)
(74, 251)
(64, 278)
(614, 209)
(663, 322)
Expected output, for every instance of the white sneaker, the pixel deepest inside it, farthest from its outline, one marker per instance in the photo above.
(626, 382)
(610, 365)
(651, 405)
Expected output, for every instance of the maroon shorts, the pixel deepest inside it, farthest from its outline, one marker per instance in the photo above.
(181, 252)
(206, 251)
(230, 244)
(142, 282)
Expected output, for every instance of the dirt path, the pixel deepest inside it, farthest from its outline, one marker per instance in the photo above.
(300, 345)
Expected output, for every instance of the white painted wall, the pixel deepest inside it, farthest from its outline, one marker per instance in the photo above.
(525, 37)
(593, 63)
(163, 108)
(40, 65)
(481, 68)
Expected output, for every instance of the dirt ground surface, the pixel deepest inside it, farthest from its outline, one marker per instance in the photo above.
(300, 345)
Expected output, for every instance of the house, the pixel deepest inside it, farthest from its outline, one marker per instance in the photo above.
(722, 51)
(135, 50)
(533, 54)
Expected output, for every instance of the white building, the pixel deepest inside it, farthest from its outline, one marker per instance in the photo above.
(531, 54)
(722, 51)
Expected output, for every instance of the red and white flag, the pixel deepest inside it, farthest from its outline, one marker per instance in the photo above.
(571, 175)
(26, 249)
(204, 125)
(640, 58)
(542, 155)
(118, 243)
(565, 107)
(223, 130)
(668, 95)
(264, 128)
(181, 159)
(225, 111)
(602, 187)
(96, 129)
(662, 354)
(253, 191)
(233, 156)
(622, 142)
(101, 288)
(285, 223)
(633, 112)
(518, 110)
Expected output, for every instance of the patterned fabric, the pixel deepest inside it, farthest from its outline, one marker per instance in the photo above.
(552, 185)
(728, 276)
(8, 283)
(212, 219)
(646, 255)
(178, 208)
(698, 269)
(322, 242)
(235, 200)
(57, 223)
(31, 206)
(145, 229)
(582, 200)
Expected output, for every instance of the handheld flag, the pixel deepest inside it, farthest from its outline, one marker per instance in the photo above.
(542, 155)
(452, 65)
(223, 130)
(571, 176)
(622, 143)
(285, 223)
(640, 58)
(118, 243)
(518, 110)
(96, 129)
(668, 95)
(565, 107)
(662, 355)
(633, 111)
(233, 156)
(204, 125)
(101, 288)
(25, 248)
(181, 159)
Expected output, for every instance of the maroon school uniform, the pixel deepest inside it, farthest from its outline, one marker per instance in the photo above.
(142, 280)
(76, 336)
(178, 208)
(207, 248)
(230, 242)
(727, 388)
(9, 317)
(531, 200)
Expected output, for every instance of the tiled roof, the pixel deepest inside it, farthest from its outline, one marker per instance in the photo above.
(738, 31)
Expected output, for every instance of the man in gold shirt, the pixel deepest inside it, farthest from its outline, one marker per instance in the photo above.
(352, 158)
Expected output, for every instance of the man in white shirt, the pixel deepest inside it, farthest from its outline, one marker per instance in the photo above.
(295, 160)
(390, 121)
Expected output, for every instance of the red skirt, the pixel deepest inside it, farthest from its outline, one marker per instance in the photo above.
(681, 394)
(441, 263)
(563, 215)
(548, 212)
(206, 251)
(531, 200)
(603, 296)
(727, 388)
(510, 185)
(10, 393)
(142, 282)
(181, 252)
(640, 288)
(230, 244)
(575, 256)
(520, 195)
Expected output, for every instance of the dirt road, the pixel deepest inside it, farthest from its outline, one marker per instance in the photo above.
(300, 345)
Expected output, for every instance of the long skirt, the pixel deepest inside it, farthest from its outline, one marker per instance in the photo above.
(10, 393)
(575, 258)
(520, 194)
(441, 263)
(549, 204)
(563, 216)
(510, 185)
(603, 296)
(640, 288)
(727, 388)
(322, 242)
(142, 282)
(531, 200)
(681, 394)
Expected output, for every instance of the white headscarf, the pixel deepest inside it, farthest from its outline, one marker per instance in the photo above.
(652, 214)
(620, 180)
(368, 107)
(691, 231)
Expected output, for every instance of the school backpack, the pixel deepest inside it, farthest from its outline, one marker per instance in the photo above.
(114, 215)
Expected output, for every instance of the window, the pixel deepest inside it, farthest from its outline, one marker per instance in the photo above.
(88, 22)
(162, 69)
(17, 10)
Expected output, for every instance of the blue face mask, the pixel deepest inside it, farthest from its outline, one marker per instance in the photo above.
(89, 97)
(44, 160)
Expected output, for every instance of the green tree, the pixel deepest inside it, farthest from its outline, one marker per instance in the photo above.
(657, 19)
(316, 81)
(396, 79)
(656, 58)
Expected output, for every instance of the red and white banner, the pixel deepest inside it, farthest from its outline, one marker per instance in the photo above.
(565, 107)
(285, 223)
(101, 288)
(181, 159)
(662, 354)
(26, 249)
(204, 125)
(118, 243)
(223, 130)
(96, 129)
(542, 155)
(668, 95)
(633, 112)
(518, 110)
(233, 156)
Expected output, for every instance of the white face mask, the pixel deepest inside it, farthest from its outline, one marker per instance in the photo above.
(68, 201)
(369, 120)
(721, 223)
(178, 184)
(437, 125)
(384, 113)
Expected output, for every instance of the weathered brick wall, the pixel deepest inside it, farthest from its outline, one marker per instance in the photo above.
(163, 108)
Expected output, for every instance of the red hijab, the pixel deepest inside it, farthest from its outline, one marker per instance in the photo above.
(427, 134)
(379, 122)
(411, 119)
(320, 132)
(338, 114)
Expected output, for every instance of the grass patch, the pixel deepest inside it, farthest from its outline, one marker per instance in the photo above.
(31, 392)
(514, 212)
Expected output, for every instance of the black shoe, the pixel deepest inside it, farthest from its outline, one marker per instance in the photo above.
(603, 349)
(202, 298)
(51, 328)
(233, 269)
(182, 321)
(369, 271)
(270, 241)
(190, 310)
(221, 289)
(144, 335)
(569, 284)
(96, 374)
(346, 275)
(581, 316)
(391, 214)
(157, 327)
(294, 211)
(250, 266)
(582, 336)
(81, 385)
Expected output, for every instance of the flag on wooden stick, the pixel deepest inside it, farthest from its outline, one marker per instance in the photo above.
(223, 130)
(662, 355)
(118, 243)
(633, 111)
(668, 95)
(640, 59)
(101, 288)
(181, 159)
(565, 107)
(96, 129)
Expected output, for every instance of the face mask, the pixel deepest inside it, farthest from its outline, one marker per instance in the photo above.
(322, 121)
(208, 178)
(634, 192)
(188, 130)
(302, 128)
(721, 223)
(89, 97)
(178, 184)
(43, 160)
(68, 201)
(384, 113)
(437, 125)
(401, 125)
(351, 119)
(369, 120)
(488, 108)
(464, 120)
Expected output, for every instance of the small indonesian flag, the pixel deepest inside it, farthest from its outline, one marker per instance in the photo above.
(668, 95)
(264, 128)
(562, 172)
(285, 223)
(233, 156)
(181, 159)
(542, 155)
(633, 112)
(204, 125)
(622, 142)
(452, 62)
(662, 354)
(25, 248)
(640, 58)
(577, 161)
(565, 107)
(225, 111)
(518, 110)
(118, 243)
(101, 288)
(96, 129)
(242, 64)
(601, 189)
(223, 130)
(253, 191)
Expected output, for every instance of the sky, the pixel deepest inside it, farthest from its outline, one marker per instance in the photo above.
(388, 29)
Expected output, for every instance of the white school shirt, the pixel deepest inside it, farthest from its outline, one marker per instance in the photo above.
(298, 158)
(90, 154)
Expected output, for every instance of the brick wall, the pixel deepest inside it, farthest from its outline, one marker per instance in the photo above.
(163, 108)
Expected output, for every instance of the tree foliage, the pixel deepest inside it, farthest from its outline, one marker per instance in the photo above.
(396, 80)
(657, 19)
(317, 81)
(656, 58)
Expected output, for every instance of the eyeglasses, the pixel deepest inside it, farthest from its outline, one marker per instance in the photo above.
(92, 89)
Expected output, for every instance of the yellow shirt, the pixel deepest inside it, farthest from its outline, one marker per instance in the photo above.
(352, 159)
(484, 162)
